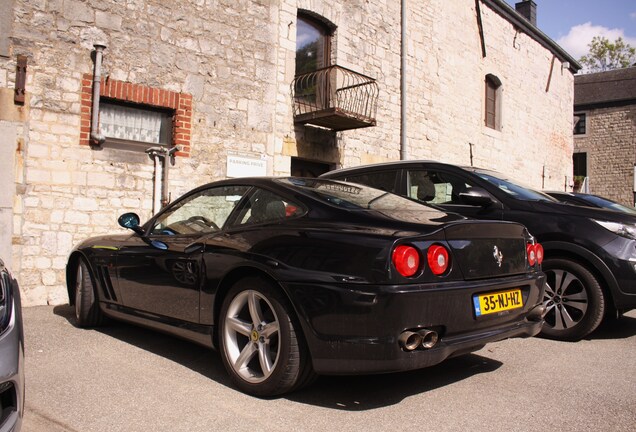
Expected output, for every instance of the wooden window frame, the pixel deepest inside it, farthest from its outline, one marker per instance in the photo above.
(325, 28)
(492, 102)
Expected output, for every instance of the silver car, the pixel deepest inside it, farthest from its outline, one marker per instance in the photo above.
(11, 354)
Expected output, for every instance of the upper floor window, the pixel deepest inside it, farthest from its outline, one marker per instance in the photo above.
(313, 45)
(493, 102)
(580, 124)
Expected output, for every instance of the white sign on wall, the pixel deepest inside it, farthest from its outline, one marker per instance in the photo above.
(241, 166)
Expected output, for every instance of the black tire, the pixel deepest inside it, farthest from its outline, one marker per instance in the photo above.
(260, 341)
(574, 300)
(87, 311)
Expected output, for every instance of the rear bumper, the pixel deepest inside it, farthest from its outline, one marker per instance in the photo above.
(369, 359)
(354, 328)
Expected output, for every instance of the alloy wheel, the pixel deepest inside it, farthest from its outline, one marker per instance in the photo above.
(565, 299)
(252, 336)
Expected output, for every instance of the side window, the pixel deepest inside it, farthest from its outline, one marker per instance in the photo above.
(435, 187)
(265, 206)
(202, 213)
(383, 180)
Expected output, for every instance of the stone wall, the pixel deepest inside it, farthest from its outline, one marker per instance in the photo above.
(610, 144)
(236, 59)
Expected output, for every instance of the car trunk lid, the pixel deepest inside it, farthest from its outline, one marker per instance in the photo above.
(484, 249)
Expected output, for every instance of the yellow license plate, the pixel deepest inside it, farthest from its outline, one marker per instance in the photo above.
(497, 302)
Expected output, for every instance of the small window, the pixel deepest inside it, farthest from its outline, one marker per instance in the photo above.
(136, 117)
(137, 126)
(580, 164)
(580, 124)
(493, 102)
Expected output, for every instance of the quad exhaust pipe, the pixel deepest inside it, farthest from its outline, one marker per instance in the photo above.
(411, 340)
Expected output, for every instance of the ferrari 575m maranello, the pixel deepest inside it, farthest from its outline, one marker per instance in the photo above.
(290, 278)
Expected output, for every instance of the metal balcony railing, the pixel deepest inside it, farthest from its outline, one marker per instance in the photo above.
(336, 98)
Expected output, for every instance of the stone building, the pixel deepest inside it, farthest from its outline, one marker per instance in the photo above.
(605, 133)
(93, 94)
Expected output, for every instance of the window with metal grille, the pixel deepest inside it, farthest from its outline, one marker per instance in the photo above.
(580, 124)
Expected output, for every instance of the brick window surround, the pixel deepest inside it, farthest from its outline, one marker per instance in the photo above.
(180, 103)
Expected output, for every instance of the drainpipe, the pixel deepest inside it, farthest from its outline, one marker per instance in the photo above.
(155, 153)
(162, 158)
(168, 160)
(634, 188)
(403, 144)
(97, 76)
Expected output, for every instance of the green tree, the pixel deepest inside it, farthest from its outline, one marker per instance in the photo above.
(605, 55)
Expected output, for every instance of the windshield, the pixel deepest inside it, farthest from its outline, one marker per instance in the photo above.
(513, 189)
(353, 196)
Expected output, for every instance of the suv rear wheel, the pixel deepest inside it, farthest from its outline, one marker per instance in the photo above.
(574, 300)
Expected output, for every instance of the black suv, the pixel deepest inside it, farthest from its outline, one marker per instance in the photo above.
(590, 253)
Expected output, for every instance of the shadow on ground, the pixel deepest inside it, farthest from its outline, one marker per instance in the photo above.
(361, 393)
(195, 357)
(347, 393)
(621, 328)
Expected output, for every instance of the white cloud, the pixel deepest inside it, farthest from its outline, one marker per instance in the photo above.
(633, 15)
(577, 40)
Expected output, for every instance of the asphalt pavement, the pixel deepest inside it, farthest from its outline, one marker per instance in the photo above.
(125, 378)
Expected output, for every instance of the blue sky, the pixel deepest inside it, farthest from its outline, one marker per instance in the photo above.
(573, 23)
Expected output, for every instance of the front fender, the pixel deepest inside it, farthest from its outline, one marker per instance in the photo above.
(574, 251)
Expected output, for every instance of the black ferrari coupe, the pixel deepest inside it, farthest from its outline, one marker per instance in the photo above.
(291, 277)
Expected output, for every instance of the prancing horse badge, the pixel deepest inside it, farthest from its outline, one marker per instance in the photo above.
(498, 255)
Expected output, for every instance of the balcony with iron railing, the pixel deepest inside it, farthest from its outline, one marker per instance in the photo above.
(335, 98)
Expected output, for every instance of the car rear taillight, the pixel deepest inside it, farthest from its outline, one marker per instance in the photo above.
(437, 257)
(535, 253)
(406, 260)
(538, 250)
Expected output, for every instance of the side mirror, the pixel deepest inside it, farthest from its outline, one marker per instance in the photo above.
(130, 221)
(476, 196)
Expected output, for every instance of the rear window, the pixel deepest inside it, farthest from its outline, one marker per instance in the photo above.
(352, 195)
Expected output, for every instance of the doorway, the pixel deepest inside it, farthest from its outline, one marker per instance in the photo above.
(307, 168)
